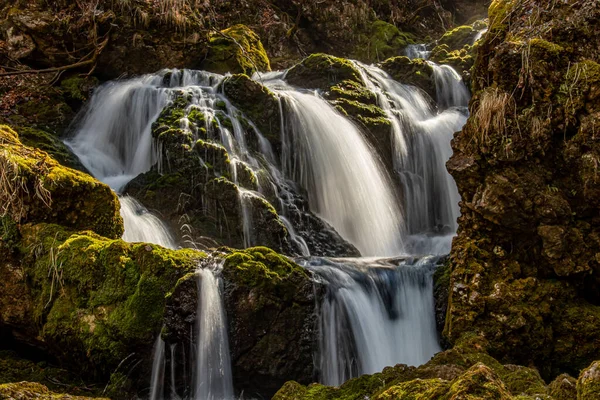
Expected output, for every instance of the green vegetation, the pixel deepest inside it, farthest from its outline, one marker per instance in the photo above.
(35, 187)
(381, 40)
(237, 50)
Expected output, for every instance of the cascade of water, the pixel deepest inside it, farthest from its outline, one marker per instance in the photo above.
(158, 370)
(174, 395)
(329, 157)
(450, 89)
(421, 148)
(479, 35)
(413, 51)
(213, 380)
(375, 313)
(142, 226)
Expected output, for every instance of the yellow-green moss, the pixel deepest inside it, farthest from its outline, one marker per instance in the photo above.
(563, 387)
(237, 50)
(98, 297)
(42, 190)
(380, 41)
(261, 267)
(458, 37)
(49, 143)
(322, 71)
(588, 384)
(499, 15)
(8, 135)
(418, 389)
(32, 390)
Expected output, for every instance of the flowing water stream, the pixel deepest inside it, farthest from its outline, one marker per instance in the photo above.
(378, 310)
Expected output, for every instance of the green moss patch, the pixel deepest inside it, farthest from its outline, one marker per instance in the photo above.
(237, 50)
(39, 189)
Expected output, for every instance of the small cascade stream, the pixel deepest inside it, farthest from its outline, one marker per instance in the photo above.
(378, 310)
(210, 361)
(330, 158)
(422, 133)
(376, 313)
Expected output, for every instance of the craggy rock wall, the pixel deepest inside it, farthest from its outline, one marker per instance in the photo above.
(525, 265)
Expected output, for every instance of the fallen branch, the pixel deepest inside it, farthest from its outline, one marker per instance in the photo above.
(78, 64)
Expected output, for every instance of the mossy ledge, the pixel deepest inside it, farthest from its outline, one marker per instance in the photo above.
(460, 373)
(38, 188)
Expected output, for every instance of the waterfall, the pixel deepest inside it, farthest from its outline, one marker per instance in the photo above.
(376, 313)
(142, 226)
(213, 380)
(450, 89)
(329, 157)
(421, 136)
(413, 51)
(158, 370)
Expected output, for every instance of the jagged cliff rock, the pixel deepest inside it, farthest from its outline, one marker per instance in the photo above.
(524, 266)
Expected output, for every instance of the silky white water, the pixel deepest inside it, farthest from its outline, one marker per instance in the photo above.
(158, 370)
(213, 379)
(413, 51)
(330, 158)
(376, 313)
(421, 135)
(142, 226)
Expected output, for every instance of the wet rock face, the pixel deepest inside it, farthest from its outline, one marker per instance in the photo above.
(270, 306)
(413, 72)
(524, 263)
(204, 187)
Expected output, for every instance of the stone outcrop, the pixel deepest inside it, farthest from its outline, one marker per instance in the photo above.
(270, 304)
(524, 266)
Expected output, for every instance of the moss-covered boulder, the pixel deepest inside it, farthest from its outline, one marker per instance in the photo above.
(458, 46)
(321, 71)
(270, 304)
(461, 60)
(237, 50)
(588, 384)
(563, 387)
(36, 188)
(454, 374)
(379, 41)
(213, 192)
(100, 299)
(95, 305)
(48, 142)
(415, 72)
(258, 103)
(456, 38)
(524, 271)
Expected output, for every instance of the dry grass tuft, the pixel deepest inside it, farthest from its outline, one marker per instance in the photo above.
(16, 188)
(490, 117)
